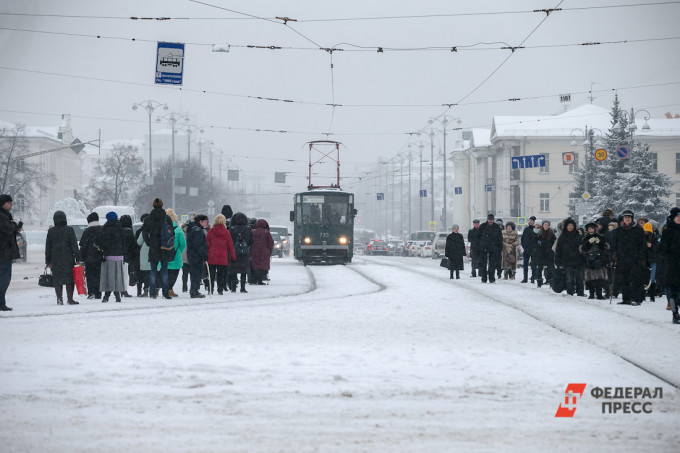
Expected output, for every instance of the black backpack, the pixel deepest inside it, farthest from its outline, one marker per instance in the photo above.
(241, 246)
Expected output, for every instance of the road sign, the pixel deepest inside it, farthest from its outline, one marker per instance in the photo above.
(184, 218)
(169, 63)
(622, 152)
(536, 160)
(458, 191)
(521, 220)
(600, 154)
(432, 225)
(488, 188)
(585, 195)
(77, 146)
(423, 193)
(381, 196)
(568, 158)
(232, 175)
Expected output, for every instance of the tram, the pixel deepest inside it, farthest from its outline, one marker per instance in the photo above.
(323, 217)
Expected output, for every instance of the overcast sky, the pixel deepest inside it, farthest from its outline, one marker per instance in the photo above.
(57, 65)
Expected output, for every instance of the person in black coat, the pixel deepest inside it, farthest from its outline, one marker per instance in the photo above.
(197, 252)
(568, 256)
(89, 241)
(628, 254)
(112, 277)
(240, 229)
(528, 241)
(491, 246)
(595, 250)
(543, 256)
(151, 232)
(475, 253)
(455, 251)
(669, 249)
(131, 252)
(9, 250)
(61, 253)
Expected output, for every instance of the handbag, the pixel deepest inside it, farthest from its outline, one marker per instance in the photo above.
(79, 279)
(444, 262)
(46, 280)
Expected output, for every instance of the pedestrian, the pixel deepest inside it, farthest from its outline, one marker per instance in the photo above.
(227, 212)
(628, 255)
(242, 236)
(475, 252)
(113, 244)
(144, 267)
(261, 252)
(543, 254)
(157, 256)
(595, 249)
(61, 254)
(90, 251)
(220, 252)
(652, 242)
(529, 239)
(455, 251)
(509, 253)
(197, 252)
(491, 245)
(569, 257)
(176, 263)
(499, 264)
(9, 250)
(131, 262)
(669, 248)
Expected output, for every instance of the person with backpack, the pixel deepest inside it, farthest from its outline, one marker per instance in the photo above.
(594, 248)
(197, 252)
(243, 240)
(158, 228)
(90, 250)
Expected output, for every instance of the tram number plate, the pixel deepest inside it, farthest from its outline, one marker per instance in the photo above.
(324, 235)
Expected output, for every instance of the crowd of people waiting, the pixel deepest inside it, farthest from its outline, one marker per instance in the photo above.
(608, 257)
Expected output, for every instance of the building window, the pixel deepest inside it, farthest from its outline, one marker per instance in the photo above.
(677, 162)
(573, 168)
(514, 174)
(655, 161)
(544, 202)
(677, 199)
(546, 169)
(19, 204)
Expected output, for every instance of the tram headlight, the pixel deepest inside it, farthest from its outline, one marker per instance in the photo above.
(343, 240)
(308, 240)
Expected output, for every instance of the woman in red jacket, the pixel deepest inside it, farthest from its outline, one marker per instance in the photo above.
(261, 252)
(220, 251)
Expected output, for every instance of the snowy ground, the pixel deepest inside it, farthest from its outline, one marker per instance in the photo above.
(386, 354)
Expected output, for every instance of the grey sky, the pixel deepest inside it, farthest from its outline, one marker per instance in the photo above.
(409, 86)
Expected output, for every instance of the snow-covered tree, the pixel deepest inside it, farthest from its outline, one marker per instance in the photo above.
(117, 177)
(620, 184)
(74, 210)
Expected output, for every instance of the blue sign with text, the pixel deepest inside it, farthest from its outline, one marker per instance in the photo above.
(488, 188)
(381, 196)
(423, 193)
(536, 160)
(458, 191)
(169, 63)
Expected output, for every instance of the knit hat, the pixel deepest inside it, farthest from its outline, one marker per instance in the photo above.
(454, 226)
(490, 217)
(157, 203)
(627, 212)
(648, 228)
(111, 216)
(546, 221)
(675, 212)
(4, 198)
(92, 217)
(532, 218)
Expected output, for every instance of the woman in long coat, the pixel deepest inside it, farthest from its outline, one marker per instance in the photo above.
(510, 243)
(669, 248)
(240, 228)
(261, 252)
(131, 263)
(113, 243)
(455, 251)
(543, 253)
(61, 253)
(595, 250)
(220, 251)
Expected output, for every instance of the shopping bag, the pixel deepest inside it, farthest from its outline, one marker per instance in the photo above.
(79, 279)
(46, 280)
(559, 280)
(444, 262)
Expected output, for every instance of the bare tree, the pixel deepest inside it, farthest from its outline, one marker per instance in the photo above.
(117, 177)
(21, 177)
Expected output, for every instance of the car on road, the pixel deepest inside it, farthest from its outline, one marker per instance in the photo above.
(377, 247)
(415, 247)
(278, 245)
(439, 245)
(426, 249)
(394, 248)
(285, 237)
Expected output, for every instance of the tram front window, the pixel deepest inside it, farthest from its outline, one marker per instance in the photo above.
(325, 210)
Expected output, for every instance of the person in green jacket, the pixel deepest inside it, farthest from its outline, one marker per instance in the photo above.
(175, 265)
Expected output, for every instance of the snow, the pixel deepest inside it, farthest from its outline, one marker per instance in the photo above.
(385, 354)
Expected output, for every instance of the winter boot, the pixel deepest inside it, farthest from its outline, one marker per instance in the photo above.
(69, 295)
(505, 275)
(676, 318)
(591, 293)
(473, 274)
(668, 306)
(5, 308)
(59, 291)
(166, 295)
(451, 274)
(125, 294)
(651, 292)
(105, 299)
(243, 286)
(116, 294)
(539, 282)
(60, 301)
(457, 275)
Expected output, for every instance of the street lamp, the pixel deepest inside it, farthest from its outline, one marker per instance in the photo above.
(189, 129)
(444, 121)
(630, 121)
(149, 106)
(172, 118)
(587, 148)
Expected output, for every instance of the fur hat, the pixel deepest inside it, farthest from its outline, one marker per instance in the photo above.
(200, 217)
(92, 217)
(607, 213)
(591, 224)
(111, 216)
(157, 203)
(612, 225)
(4, 198)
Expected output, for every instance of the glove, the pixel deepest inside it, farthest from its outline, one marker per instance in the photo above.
(593, 240)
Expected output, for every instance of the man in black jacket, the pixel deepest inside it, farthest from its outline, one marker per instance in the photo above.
(197, 252)
(9, 250)
(529, 240)
(628, 255)
(475, 253)
(89, 242)
(151, 232)
(491, 245)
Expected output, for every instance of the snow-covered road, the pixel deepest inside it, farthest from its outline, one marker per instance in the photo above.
(385, 354)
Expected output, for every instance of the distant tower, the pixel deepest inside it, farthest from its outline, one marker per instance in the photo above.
(65, 133)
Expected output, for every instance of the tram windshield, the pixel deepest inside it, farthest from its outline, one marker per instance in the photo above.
(325, 209)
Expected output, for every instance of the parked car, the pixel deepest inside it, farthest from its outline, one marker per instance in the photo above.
(278, 249)
(439, 245)
(394, 248)
(426, 249)
(406, 250)
(415, 247)
(377, 247)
